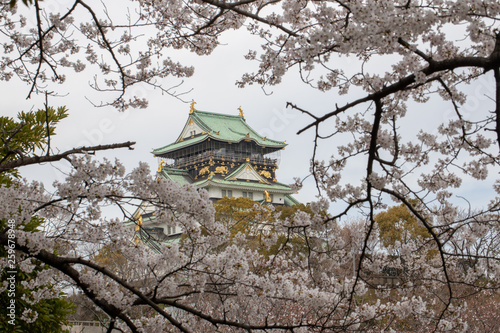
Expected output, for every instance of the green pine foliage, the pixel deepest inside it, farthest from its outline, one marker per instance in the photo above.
(28, 135)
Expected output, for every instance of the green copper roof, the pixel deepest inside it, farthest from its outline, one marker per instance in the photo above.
(275, 187)
(180, 144)
(177, 175)
(182, 177)
(221, 127)
(231, 128)
(291, 201)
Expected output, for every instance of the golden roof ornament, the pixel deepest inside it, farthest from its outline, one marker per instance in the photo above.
(161, 165)
(241, 113)
(267, 196)
(192, 107)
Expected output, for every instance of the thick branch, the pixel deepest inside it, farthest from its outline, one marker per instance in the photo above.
(435, 67)
(6, 166)
(497, 101)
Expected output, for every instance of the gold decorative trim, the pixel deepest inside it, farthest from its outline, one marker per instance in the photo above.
(266, 174)
(221, 169)
(161, 165)
(204, 171)
(192, 107)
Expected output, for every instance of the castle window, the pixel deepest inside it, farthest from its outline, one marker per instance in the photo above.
(227, 193)
(248, 195)
(170, 230)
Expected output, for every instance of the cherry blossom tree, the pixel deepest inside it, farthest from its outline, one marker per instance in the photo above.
(434, 50)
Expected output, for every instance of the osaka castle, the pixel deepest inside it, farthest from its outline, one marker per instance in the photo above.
(223, 155)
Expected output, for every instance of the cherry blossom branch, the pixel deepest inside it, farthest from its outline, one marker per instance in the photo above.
(123, 75)
(496, 71)
(234, 7)
(40, 48)
(369, 187)
(437, 242)
(436, 67)
(64, 265)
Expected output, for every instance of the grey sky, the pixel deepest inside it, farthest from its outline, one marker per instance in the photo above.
(214, 90)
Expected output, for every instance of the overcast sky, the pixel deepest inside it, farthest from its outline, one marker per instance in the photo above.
(213, 89)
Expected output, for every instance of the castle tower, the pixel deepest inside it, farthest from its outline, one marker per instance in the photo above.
(224, 155)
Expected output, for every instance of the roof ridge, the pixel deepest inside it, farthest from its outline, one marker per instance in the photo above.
(200, 122)
(238, 183)
(216, 114)
(176, 170)
(235, 171)
(232, 130)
